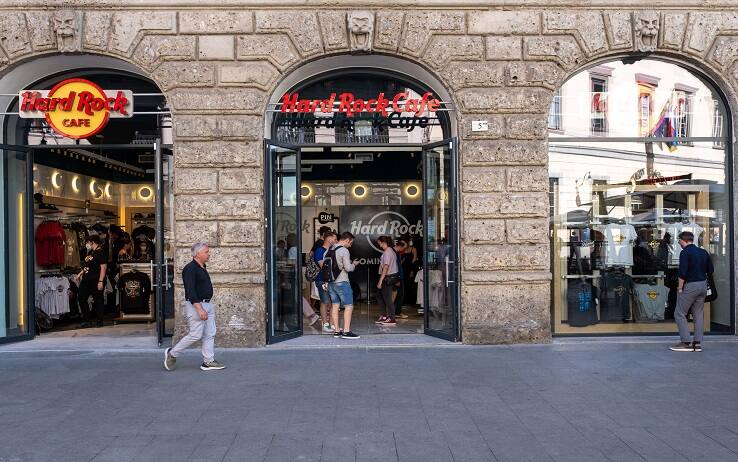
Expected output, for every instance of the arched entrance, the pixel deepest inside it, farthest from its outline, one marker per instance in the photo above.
(85, 162)
(365, 147)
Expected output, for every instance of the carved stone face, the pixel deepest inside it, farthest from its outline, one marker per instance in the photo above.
(65, 23)
(361, 28)
(647, 31)
(66, 26)
(361, 24)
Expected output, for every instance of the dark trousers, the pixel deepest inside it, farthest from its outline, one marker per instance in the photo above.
(384, 297)
(87, 289)
(400, 298)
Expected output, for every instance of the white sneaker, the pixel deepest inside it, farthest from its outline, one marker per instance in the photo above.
(327, 328)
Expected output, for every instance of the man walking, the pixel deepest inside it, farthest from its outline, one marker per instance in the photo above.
(340, 289)
(199, 312)
(694, 267)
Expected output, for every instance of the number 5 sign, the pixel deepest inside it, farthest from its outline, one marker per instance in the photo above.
(480, 125)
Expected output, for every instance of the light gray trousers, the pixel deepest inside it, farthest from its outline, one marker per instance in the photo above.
(692, 296)
(198, 330)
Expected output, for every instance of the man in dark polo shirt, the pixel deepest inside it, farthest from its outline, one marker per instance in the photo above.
(199, 312)
(694, 266)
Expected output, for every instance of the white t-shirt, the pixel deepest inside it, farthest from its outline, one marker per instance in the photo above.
(674, 229)
(52, 295)
(419, 281)
(619, 239)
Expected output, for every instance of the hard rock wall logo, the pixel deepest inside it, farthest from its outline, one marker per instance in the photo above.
(76, 108)
(387, 223)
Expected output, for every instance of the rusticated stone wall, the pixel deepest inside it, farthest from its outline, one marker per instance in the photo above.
(218, 65)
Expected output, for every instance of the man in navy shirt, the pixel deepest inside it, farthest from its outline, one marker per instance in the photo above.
(199, 312)
(694, 266)
(327, 241)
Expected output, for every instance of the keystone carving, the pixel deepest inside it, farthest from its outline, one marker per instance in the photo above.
(67, 28)
(646, 29)
(361, 31)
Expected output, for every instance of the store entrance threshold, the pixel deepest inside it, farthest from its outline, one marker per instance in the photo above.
(366, 341)
(120, 337)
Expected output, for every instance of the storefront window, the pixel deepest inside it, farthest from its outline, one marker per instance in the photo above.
(627, 175)
(14, 316)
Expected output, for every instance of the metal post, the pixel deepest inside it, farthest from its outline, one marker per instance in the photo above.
(159, 248)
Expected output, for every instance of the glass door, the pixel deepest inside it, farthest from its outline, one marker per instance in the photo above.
(440, 249)
(284, 256)
(164, 248)
(16, 234)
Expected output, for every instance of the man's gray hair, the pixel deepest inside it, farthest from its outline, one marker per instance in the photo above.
(197, 247)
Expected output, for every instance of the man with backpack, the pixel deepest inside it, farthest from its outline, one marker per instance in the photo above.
(318, 255)
(334, 271)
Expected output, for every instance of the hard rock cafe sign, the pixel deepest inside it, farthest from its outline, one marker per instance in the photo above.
(401, 110)
(76, 108)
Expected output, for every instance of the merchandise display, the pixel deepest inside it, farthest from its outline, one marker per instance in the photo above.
(650, 301)
(619, 249)
(615, 291)
(581, 301)
(619, 271)
(62, 226)
(135, 292)
(52, 295)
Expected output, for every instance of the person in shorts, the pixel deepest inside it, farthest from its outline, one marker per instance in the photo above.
(340, 289)
(329, 238)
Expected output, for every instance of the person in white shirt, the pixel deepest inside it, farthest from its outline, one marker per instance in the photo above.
(340, 289)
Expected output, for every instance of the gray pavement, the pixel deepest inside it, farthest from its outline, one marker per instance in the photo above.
(571, 401)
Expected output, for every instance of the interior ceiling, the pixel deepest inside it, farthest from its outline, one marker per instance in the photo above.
(384, 166)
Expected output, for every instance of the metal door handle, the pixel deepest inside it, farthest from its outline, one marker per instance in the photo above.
(153, 276)
(448, 281)
(166, 275)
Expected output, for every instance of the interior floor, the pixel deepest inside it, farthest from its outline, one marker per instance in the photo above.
(364, 316)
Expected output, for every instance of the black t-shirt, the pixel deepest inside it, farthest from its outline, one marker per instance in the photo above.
(91, 265)
(615, 296)
(135, 292)
(580, 300)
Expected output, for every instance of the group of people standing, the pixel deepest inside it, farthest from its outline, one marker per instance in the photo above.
(334, 286)
(398, 264)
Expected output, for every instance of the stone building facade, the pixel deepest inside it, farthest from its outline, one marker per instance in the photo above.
(219, 62)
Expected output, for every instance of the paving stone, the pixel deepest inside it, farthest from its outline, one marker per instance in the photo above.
(563, 402)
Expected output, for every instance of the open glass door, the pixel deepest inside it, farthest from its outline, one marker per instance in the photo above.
(284, 255)
(164, 248)
(16, 234)
(440, 249)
